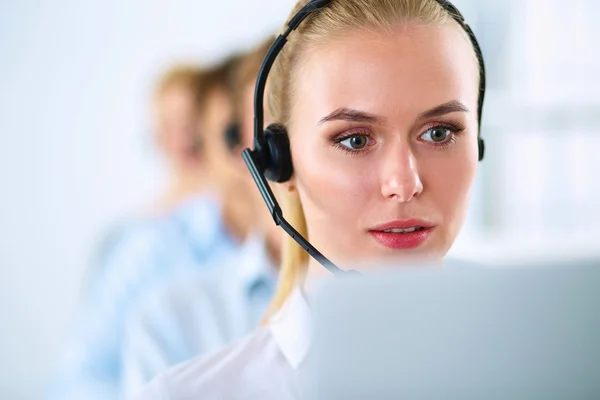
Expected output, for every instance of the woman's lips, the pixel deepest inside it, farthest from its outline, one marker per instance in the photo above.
(402, 234)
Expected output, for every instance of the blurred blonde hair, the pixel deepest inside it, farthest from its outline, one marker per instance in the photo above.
(218, 77)
(185, 76)
(246, 73)
(249, 65)
(335, 20)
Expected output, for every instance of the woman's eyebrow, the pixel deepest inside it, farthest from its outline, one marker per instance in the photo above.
(352, 115)
(443, 109)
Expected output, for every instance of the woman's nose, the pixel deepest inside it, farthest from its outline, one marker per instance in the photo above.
(401, 180)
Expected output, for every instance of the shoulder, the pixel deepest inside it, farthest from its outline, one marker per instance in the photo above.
(248, 368)
(151, 234)
(139, 237)
(158, 245)
(192, 287)
(185, 298)
(121, 254)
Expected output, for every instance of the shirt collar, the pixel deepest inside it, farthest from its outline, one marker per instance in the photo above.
(291, 328)
(201, 221)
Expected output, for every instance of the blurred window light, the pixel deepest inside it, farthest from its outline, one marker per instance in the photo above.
(541, 118)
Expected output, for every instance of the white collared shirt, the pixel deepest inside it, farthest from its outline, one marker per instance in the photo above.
(261, 366)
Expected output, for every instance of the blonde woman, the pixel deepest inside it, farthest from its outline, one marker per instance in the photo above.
(381, 100)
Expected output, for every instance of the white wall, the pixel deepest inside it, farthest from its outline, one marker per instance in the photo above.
(75, 153)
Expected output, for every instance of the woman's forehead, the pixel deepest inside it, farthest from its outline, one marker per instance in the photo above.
(410, 67)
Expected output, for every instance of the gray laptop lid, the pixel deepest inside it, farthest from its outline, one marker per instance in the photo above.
(530, 332)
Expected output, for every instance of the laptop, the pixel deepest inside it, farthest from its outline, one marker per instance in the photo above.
(464, 331)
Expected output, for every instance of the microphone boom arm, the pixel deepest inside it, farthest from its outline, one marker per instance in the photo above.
(277, 214)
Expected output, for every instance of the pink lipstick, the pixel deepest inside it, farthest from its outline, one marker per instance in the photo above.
(402, 234)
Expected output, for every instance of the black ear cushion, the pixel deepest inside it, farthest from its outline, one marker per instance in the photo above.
(233, 137)
(481, 148)
(278, 161)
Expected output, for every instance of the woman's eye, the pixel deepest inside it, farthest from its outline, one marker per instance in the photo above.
(437, 135)
(356, 142)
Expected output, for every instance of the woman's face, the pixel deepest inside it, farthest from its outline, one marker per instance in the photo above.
(384, 141)
(177, 132)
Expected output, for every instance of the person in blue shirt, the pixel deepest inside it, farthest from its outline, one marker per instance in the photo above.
(152, 250)
(177, 138)
(201, 313)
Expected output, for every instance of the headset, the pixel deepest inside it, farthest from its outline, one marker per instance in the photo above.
(271, 157)
(233, 136)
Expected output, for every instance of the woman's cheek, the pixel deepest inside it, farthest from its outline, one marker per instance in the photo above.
(333, 182)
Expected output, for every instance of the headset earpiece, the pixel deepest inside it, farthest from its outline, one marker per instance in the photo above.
(276, 156)
(233, 137)
(481, 146)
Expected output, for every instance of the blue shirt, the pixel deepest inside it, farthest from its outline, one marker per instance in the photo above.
(148, 255)
(198, 315)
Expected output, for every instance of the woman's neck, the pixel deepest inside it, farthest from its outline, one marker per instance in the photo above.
(237, 217)
(188, 181)
(183, 184)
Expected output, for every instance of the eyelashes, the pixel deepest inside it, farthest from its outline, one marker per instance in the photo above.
(451, 131)
(359, 141)
(353, 141)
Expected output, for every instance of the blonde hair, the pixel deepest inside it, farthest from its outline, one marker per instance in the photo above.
(218, 77)
(246, 73)
(249, 66)
(334, 20)
(185, 76)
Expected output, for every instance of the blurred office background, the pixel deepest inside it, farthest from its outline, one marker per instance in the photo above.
(77, 154)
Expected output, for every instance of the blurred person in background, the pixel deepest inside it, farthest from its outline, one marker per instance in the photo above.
(199, 314)
(192, 224)
(177, 136)
(382, 102)
(175, 109)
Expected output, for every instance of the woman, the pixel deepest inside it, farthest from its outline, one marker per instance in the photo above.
(218, 304)
(180, 239)
(381, 100)
(177, 137)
